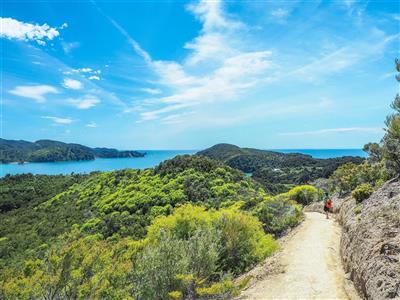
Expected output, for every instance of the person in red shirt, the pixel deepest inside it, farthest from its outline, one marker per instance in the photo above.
(327, 206)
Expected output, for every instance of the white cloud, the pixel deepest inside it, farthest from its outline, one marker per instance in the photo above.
(69, 46)
(84, 102)
(151, 91)
(14, 29)
(59, 121)
(89, 73)
(91, 125)
(336, 130)
(94, 77)
(72, 84)
(35, 92)
(211, 14)
(218, 68)
(280, 13)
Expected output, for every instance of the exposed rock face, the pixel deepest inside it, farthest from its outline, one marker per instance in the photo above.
(370, 243)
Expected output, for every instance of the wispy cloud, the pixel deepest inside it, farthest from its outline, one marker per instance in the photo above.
(91, 125)
(13, 29)
(35, 92)
(85, 70)
(69, 46)
(151, 91)
(72, 84)
(84, 102)
(59, 121)
(280, 13)
(335, 130)
(216, 69)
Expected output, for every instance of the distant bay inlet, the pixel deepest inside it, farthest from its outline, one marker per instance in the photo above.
(152, 158)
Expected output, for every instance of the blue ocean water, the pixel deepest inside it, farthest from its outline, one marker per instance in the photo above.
(153, 158)
(326, 153)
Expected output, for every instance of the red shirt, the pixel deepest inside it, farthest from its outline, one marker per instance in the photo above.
(328, 203)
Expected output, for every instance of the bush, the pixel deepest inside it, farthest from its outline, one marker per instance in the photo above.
(189, 250)
(242, 241)
(303, 194)
(362, 192)
(348, 177)
(278, 215)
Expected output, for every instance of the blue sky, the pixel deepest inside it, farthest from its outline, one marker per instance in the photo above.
(187, 75)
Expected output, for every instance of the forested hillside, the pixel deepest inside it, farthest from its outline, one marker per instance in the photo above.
(277, 172)
(183, 228)
(50, 151)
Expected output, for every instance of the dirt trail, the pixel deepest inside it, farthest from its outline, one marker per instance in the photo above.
(311, 265)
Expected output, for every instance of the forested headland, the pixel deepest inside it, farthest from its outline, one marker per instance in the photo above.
(52, 151)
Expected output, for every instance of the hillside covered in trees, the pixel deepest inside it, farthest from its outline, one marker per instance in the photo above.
(276, 171)
(186, 227)
(51, 151)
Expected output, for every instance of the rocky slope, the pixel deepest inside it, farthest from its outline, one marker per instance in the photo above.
(370, 242)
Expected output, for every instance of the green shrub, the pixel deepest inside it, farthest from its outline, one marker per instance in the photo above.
(362, 192)
(348, 177)
(242, 241)
(357, 209)
(278, 215)
(303, 194)
(187, 252)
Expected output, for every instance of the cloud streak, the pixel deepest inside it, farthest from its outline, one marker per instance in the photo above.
(85, 102)
(226, 70)
(35, 92)
(59, 121)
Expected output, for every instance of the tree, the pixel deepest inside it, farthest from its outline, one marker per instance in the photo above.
(374, 152)
(391, 140)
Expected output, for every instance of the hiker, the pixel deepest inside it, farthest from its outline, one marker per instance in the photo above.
(327, 206)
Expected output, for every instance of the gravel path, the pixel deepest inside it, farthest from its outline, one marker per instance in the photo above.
(311, 265)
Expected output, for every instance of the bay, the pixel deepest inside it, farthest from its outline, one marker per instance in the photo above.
(151, 159)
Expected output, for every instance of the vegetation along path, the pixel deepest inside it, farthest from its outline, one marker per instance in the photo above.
(311, 265)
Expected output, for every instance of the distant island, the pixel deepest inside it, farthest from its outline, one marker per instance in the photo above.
(276, 171)
(52, 151)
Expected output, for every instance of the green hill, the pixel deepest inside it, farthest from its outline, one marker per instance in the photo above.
(276, 171)
(184, 227)
(50, 151)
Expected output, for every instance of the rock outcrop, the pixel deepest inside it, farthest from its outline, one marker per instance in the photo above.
(370, 242)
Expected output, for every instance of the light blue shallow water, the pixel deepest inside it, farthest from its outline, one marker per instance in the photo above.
(326, 153)
(153, 158)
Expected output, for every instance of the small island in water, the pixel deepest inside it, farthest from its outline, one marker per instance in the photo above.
(52, 151)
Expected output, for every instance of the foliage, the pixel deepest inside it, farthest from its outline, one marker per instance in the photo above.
(190, 249)
(357, 209)
(362, 192)
(29, 190)
(277, 172)
(187, 254)
(279, 213)
(81, 268)
(347, 177)
(181, 230)
(374, 151)
(240, 235)
(391, 140)
(303, 194)
(115, 204)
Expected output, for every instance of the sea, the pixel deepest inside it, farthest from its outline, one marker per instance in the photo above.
(151, 159)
